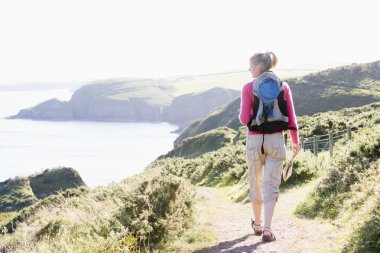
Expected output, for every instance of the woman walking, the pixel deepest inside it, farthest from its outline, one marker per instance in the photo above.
(267, 109)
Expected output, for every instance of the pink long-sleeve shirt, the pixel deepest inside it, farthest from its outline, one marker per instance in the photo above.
(246, 109)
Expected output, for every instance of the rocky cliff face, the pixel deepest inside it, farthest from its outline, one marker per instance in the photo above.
(192, 106)
(52, 109)
(119, 102)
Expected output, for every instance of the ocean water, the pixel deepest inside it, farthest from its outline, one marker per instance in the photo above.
(102, 152)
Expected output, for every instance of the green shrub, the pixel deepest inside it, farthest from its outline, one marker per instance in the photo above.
(158, 210)
(228, 166)
(337, 121)
(352, 167)
(50, 230)
(29, 211)
(366, 239)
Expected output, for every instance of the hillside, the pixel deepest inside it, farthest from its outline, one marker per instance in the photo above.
(158, 210)
(203, 143)
(20, 192)
(51, 181)
(224, 116)
(141, 214)
(336, 89)
(189, 107)
(329, 90)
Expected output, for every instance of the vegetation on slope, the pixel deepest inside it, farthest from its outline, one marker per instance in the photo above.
(19, 192)
(350, 188)
(139, 215)
(338, 88)
(209, 141)
(325, 122)
(15, 194)
(227, 165)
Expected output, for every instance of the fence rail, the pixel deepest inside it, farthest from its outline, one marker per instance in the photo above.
(325, 142)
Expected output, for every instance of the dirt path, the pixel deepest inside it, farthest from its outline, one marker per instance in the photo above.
(230, 223)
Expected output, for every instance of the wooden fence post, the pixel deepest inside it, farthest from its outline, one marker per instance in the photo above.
(286, 140)
(315, 146)
(348, 132)
(331, 144)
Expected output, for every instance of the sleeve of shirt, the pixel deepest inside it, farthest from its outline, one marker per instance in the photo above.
(292, 123)
(245, 105)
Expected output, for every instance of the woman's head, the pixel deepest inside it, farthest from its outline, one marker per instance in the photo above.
(261, 62)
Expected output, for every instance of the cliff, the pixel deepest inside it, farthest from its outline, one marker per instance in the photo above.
(141, 100)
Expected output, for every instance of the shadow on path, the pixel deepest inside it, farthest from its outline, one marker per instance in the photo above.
(228, 246)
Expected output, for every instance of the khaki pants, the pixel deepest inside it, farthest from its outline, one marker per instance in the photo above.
(265, 170)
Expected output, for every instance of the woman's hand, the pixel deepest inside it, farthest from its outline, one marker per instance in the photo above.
(295, 148)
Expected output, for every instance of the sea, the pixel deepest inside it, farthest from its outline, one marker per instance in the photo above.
(102, 152)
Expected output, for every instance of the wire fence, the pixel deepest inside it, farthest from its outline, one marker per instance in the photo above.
(318, 143)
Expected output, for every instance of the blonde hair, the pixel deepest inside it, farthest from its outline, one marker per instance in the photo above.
(268, 60)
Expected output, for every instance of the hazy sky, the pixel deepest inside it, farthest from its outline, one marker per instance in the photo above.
(81, 40)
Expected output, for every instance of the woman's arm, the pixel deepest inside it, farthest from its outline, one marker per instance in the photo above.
(292, 124)
(246, 104)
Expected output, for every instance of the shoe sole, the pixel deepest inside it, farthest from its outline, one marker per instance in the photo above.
(268, 238)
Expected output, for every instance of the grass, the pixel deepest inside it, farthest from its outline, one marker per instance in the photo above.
(193, 239)
(20, 192)
(15, 194)
(141, 214)
(349, 190)
(6, 217)
(226, 166)
(365, 238)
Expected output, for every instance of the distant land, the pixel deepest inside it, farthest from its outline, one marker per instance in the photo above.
(138, 101)
(178, 100)
(184, 99)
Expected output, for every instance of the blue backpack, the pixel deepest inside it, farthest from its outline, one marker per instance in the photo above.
(269, 110)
